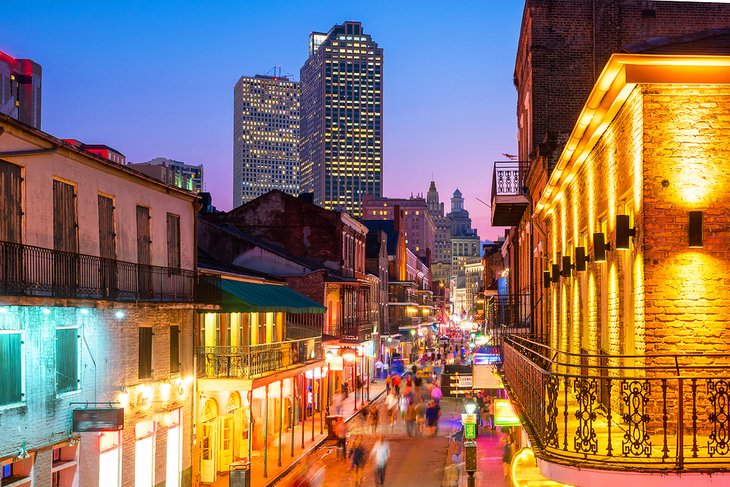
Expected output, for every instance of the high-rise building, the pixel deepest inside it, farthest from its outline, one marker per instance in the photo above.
(20, 89)
(266, 137)
(464, 239)
(442, 241)
(341, 118)
(176, 173)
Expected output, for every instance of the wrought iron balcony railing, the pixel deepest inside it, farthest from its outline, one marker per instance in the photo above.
(26, 270)
(643, 412)
(509, 177)
(253, 361)
(507, 314)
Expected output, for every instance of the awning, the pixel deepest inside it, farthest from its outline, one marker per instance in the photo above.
(239, 296)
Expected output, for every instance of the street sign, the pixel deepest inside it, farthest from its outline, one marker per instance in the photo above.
(468, 419)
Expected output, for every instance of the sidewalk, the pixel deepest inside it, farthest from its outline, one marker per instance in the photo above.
(273, 471)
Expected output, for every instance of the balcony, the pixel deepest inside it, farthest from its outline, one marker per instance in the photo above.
(253, 361)
(357, 331)
(35, 271)
(509, 193)
(650, 413)
(508, 314)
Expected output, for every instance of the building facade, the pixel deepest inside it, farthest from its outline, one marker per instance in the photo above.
(95, 318)
(341, 148)
(186, 176)
(265, 137)
(20, 89)
(442, 237)
(418, 224)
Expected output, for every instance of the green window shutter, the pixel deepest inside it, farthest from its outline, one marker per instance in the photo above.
(145, 353)
(10, 370)
(67, 360)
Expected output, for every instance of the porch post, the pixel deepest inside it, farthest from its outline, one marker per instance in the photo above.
(293, 404)
(313, 396)
(266, 429)
(321, 402)
(250, 423)
(303, 394)
(281, 416)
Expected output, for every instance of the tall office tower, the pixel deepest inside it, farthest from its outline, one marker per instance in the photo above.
(20, 89)
(266, 137)
(341, 128)
(442, 251)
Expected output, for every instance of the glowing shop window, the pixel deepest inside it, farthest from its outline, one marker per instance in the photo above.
(109, 458)
(174, 449)
(144, 454)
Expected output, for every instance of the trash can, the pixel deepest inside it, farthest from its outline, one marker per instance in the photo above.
(331, 422)
(239, 474)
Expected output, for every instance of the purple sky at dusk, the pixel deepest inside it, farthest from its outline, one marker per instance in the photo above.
(156, 79)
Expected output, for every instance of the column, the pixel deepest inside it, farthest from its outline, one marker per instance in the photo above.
(266, 429)
(281, 416)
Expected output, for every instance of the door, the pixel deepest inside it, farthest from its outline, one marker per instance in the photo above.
(225, 454)
(107, 247)
(65, 239)
(144, 252)
(208, 451)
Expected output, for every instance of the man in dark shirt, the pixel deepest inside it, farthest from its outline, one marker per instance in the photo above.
(433, 413)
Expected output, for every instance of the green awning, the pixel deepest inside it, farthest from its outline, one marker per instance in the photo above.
(239, 296)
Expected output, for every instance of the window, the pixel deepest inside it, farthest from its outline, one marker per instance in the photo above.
(173, 241)
(11, 370)
(174, 349)
(145, 353)
(10, 202)
(67, 360)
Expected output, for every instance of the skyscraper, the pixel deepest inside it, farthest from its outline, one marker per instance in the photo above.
(341, 118)
(266, 137)
(442, 245)
(20, 89)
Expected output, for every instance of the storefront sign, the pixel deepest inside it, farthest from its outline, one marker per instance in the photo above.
(336, 362)
(97, 419)
(504, 413)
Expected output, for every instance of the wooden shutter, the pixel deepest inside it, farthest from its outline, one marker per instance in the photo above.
(67, 359)
(10, 203)
(145, 353)
(64, 217)
(107, 235)
(174, 349)
(10, 368)
(173, 241)
(144, 238)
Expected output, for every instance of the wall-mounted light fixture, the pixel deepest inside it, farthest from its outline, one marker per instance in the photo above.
(624, 232)
(556, 273)
(696, 230)
(581, 259)
(546, 279)
(600, 247)
(567, 270)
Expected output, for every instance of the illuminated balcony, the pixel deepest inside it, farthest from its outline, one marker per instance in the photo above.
(36, 271)
(253, 361)
(591, 414)
(509, 193)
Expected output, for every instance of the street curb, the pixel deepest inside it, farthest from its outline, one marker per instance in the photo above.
(313, 448)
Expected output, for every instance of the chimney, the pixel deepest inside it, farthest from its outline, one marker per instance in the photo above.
(397, 216)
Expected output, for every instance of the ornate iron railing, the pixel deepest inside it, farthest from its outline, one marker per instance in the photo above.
(642, 412)
(508, 177)
(257, 360)
(36, 271)
(508, 314)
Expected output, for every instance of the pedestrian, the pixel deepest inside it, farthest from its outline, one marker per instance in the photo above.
(388, 383)
(345, 390)
(433, 413)
(381, 453)
(508, 452)
(396, 384)
(410, 418)
(391, 404)
(491, 414)
(337, 402)
(420, 417)
(357, 457)
(341, 432)
(373, 418)
(436, 394)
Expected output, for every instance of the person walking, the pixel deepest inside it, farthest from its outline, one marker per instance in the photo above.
(433, 413)
(380, 453)
(337, 402)
(508, 452)
(373, 418)
(357, 456)
(388, 383)
(341, 432)
(420, 417)
(391, 404)
(410, 418)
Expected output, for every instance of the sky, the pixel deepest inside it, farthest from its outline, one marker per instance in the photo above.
(155, 79)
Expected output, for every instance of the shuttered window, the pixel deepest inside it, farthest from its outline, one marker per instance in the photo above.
(173, 241)
(174, 349)
(67, 360)
(145, 353)
(10, 202)
(144, 238)
(107, 235)
(64, 217)
(11, 385)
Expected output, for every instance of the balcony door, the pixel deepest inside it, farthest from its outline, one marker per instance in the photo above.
(144, 251)
(107, 247)
(11, 209)
(65, 239)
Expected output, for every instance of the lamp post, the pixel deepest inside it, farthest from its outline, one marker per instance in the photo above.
(469, 421)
